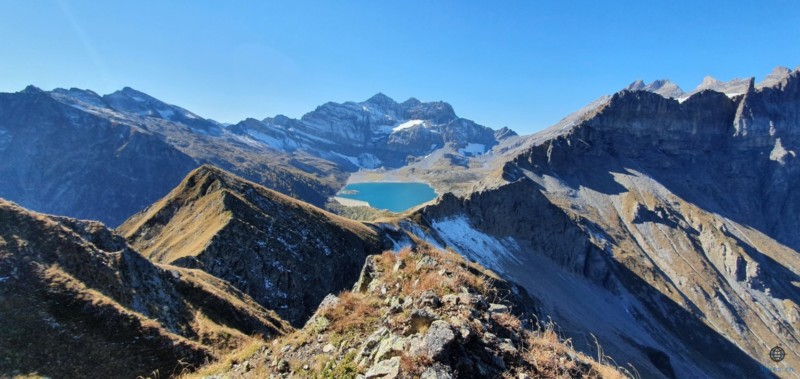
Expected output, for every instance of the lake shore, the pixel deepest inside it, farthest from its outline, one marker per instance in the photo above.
(350, 202)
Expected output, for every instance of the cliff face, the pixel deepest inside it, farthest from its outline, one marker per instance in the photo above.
(284, 253)
(76, 300)
(676, 219)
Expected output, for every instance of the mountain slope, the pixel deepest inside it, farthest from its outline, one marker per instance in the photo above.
(77, 153)
(75, 300)
(284, 253)
(420, 312)
(58, 159)
(674, 220)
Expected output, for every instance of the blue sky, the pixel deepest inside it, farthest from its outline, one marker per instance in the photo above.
(522, 64)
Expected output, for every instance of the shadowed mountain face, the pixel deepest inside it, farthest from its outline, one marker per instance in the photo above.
(59, 159)
(284, 253)
(671, 227)
(77, 301)
(76, 153)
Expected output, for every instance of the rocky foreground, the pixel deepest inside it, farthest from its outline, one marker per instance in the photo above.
(421, 313)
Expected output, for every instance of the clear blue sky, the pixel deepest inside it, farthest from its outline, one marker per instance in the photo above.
(520, 64)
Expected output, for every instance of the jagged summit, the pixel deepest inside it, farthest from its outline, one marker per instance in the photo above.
(733, 87)
(381, 99)
(663, 87)
(284, 253)
(32, 89)
(412, 101)
(777, 75)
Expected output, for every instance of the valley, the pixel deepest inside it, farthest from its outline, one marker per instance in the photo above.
(651, 232)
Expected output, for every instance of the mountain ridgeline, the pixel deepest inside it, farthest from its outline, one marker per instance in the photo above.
(284, 253)
(676, 219)
(655, 226)
(75, 153)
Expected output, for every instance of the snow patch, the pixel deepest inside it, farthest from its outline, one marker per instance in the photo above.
(417, 231)
(475, 245)
(166, 114)
(403, 243)
(275, 143)
(778, 154)
(408, 124)
(473, 149)
(350, 159)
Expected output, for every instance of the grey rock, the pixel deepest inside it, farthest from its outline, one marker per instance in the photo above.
(369, 347)
(388, 369)
(498, 308)
(390, 347)
(429, 299)
(437, 371)
(438, 338)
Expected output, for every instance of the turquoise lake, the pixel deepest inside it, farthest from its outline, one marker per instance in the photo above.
(394, 196)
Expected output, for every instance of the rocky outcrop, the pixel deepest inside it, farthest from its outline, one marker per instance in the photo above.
(284, 253)
(663, 87)
(423, 313)
(76, 300)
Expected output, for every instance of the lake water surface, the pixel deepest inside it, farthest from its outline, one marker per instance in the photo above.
(394, 196)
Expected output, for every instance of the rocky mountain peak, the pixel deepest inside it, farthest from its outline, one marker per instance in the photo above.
(708, 82)
(637, 85)
(733, 87)
(284, 253)
(412, 101)
(778, 74)
(382, 100)
(32, 89)
(663, 87)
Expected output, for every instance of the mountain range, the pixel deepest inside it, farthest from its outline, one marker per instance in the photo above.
(652, 226)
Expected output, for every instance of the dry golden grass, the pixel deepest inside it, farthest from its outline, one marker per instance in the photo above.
(182, 223)
(550, 356)
(507, 321)
(354, 312)
(356, 315)
(244, 352)
(413, 367)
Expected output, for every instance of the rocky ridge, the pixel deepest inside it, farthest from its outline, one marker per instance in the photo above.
(421, 313)
(675, 215)
(284, 253)
(73, 294)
